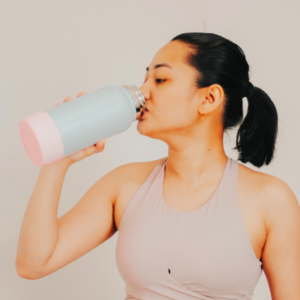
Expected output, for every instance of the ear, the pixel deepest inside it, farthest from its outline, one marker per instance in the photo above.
(212, 96)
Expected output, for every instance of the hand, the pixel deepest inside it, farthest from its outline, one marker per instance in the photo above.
(79, 155)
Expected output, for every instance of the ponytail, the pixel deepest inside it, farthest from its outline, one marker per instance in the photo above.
(257, 134)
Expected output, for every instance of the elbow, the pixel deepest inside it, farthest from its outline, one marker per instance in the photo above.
(23, 273)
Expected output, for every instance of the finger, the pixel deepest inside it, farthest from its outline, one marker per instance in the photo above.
(81, 93)
(100, 144)
(68, 99)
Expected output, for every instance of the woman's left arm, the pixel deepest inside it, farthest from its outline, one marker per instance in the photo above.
(281, 253)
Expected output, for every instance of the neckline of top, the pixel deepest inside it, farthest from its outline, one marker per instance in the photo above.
(162, 177)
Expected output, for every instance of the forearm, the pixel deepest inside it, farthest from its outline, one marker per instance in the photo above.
(39, 230)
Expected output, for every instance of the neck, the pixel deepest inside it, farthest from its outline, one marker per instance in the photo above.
(190, 160)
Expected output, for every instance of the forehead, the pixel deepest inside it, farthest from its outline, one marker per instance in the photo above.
(172, 53)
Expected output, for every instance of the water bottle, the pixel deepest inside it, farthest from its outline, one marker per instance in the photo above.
(50, 135)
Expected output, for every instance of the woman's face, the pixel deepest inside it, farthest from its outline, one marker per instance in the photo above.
(172, 98)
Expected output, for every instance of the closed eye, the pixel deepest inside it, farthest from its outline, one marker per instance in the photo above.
(156, 80)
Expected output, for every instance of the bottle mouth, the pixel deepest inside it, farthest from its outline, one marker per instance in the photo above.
(138, 99)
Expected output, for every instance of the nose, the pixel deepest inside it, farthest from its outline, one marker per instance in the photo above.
(145, 91)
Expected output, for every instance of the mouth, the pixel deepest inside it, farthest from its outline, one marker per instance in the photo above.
(144, 112)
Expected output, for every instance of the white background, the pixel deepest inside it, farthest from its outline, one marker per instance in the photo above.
(54, 49)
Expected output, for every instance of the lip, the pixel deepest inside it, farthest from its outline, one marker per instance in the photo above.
(144, 112)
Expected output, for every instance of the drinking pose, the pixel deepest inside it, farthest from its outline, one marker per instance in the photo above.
(195, 224)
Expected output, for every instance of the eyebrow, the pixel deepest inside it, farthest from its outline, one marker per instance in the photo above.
(158, 66)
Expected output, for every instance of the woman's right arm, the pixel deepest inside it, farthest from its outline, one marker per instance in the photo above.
(46, 243)
(39, 230)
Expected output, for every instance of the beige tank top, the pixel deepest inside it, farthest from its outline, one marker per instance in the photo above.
(203, 254)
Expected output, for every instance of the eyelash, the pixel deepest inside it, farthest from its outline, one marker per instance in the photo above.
(156, 80)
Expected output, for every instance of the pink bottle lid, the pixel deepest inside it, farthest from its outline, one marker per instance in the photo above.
(41, 139)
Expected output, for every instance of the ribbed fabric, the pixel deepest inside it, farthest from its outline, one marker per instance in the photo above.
(202, 254)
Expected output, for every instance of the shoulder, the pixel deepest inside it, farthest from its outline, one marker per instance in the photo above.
(274, 195)
(281, 203)
(133, 173)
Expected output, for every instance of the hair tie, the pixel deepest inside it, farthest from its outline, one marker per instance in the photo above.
(250, 89)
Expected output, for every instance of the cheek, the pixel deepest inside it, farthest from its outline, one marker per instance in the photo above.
(173, 109)
(177, 117)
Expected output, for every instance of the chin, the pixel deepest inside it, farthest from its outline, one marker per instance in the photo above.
(144, 129)
(141, 128)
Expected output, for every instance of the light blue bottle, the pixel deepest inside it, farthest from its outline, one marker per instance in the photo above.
(50, 135)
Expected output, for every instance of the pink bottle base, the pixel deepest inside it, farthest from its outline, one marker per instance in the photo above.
(41, 139)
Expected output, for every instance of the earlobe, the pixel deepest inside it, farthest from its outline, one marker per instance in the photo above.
(202, 116)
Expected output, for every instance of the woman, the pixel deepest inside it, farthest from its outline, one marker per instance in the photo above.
(195, 224)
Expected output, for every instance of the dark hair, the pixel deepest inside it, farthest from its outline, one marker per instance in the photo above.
(220, 61)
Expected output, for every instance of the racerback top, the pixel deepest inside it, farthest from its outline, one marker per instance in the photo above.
(162, 253)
